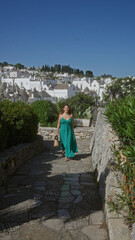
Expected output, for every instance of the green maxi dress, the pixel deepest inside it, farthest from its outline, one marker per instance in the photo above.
(67, 138)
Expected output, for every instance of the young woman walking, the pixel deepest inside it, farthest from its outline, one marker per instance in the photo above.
(67, 136)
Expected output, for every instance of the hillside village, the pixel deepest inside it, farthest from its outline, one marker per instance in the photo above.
(30, 85)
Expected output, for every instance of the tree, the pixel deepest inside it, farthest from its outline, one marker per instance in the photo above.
(106, 76)
(5, 64)
(52, 69)
(89, 73)
(57, 68)
(81, 73)
(76, 71)
(43, 69)
(66, 69)
(47, 68)
(19, 66)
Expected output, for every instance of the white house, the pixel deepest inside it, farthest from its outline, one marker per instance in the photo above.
(8, 68)
(67, 79)
(52, 82)
(101, 90)
(63, 91)
(15, 74)
(21, 82)
(81, 84)
(95, 86)
(34, 95)
(38, 84)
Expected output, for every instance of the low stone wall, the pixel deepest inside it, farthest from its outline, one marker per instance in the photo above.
(81, 122)
(80, 132)
(102, 156)
(14, 157)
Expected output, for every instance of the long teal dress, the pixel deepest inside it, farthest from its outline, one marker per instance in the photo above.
(67, 138)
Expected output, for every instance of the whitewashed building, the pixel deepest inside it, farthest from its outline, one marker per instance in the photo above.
(15, 74)
(23, 82)
(34, 95)
(81, 84)
(92, 85)
(63, 91)
(8, 68)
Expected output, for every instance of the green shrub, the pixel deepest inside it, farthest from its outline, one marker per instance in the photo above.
(80, 105)
(3, 134)
(18, 122)
(121, 114)
(46, 112)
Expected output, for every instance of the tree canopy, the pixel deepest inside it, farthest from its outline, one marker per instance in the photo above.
(66, 69)
(19, 66)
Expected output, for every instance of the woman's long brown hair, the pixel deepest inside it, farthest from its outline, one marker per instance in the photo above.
(68, 107)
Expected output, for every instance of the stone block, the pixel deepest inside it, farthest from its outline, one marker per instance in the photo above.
(133, 232)
(118, 229)
(63, 213)
(55, 224)
(76, 224)
(66, 199)
(95, 233)
(75, 192)
(97, 217)
(78, 199)
(65, 194)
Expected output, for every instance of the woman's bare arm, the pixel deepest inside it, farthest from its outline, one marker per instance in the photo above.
(58, 125)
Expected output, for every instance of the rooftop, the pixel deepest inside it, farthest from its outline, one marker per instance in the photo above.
(62, 86)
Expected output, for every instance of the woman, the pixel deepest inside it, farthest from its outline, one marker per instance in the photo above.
(67, 136)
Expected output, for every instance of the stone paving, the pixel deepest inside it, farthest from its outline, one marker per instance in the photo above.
(48, 198)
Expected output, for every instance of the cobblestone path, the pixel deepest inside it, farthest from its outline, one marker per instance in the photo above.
(50, 199)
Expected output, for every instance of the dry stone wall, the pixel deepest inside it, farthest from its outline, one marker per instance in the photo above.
(80, 132)
(102, 157)
(14, 157)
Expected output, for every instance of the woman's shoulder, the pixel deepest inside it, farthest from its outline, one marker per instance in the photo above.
(60, 115)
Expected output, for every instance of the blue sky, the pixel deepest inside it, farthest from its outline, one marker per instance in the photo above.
(87, 34)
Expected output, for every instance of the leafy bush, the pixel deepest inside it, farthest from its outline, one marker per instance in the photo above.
(18, 123)
(3, 134)
(46, 112)
(121, 114)
(119, 88)
(81, 105)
